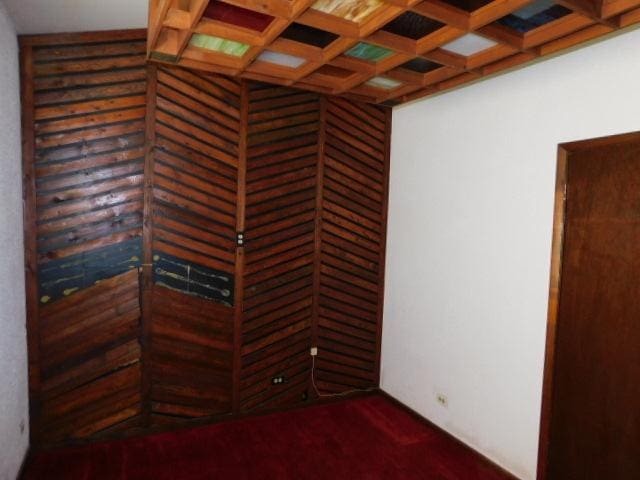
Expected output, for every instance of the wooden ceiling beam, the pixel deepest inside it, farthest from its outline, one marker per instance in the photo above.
(615, 7)
(575, 38)
(494, 11)
(196, 10)
(276, 8)
(558, 29)
(629, 18)
(503, 35)
(445, 13)
(589, 8)
(157, 13)
(592, 9)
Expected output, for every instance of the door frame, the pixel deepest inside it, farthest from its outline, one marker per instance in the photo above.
(564, 153)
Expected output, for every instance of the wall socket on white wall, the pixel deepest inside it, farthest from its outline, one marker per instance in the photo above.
(441, 398)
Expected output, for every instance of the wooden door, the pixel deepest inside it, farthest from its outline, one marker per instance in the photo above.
(283, 128)
(195, 124)
(591, 414)
(84, 109)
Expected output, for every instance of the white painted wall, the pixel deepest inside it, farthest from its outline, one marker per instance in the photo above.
(14, 403)
(471, 211)
(55, 16)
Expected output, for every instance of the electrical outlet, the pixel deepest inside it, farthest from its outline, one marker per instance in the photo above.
(314, 351)
(442, 399)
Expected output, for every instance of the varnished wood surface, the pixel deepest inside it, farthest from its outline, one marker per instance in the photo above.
(90, 360)
(282, 158)
(240, 250)
(89, 145)
(83, 133)
(552, 311)
(146, 272)
(192, 352)
(322, 140)
(196, 158)
(138, 179)
(355, 170)
(593, 420)
(29, 227)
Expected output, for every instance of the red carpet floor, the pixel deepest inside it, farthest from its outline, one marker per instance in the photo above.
(364, 438)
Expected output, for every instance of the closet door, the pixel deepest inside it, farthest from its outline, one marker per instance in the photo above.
(352, 241)
(190, 244)
(282, 158)
(84, 146)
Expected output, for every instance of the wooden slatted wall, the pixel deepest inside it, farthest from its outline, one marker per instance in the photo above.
(88, 107)
(142, 309)
(192, 345)
(91, 360)
(195, 178)
(282, 158)
(353, 235)
(195, 174)
(89, 138)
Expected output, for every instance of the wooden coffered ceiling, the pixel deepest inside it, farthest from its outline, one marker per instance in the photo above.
(381, 51)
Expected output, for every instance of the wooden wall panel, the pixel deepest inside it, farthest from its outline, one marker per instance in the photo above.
(90, 365)
(192, 353)
(282, 156)
(145, 306)
(194, 210)
(352, 244)
(88, 110)
(195, 172)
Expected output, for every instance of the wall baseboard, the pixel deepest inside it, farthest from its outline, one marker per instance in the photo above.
(428, 422)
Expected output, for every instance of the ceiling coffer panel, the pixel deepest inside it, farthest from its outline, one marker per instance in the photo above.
(378, 51)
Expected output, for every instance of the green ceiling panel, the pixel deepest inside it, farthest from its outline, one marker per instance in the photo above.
(220, 45)
(366, 51)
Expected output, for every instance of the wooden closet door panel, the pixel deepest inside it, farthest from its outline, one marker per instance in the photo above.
(191, 357)
(595, 428)
(194, 181)
(195, 172)
(282, 158)
(86, 99)
(352, 245)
